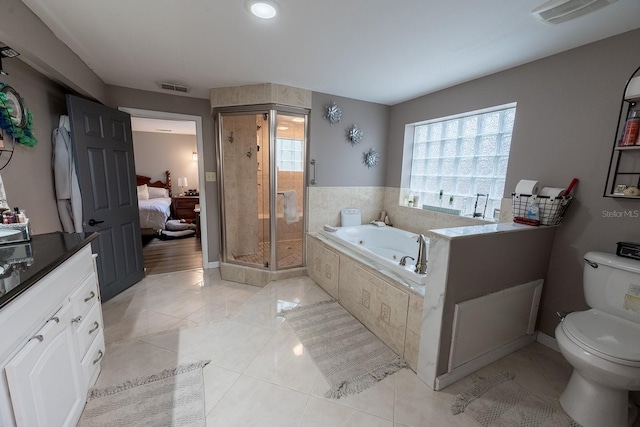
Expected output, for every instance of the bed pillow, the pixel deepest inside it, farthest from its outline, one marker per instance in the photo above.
(155, 192)
(143, 192)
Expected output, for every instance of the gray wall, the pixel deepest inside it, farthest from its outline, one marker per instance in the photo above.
(28, 177)
(39, 47)
(157, 152)
(338, 163)
(118, 96)
(566, 119)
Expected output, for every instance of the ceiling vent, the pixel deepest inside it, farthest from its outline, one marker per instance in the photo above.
(558, 11)
(174, 87)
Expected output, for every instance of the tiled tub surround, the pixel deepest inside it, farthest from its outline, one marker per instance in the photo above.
(384, 246)
(466, 263)
(325, 204)
(390, 308)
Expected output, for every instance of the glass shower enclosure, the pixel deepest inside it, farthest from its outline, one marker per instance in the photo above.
(261, 162)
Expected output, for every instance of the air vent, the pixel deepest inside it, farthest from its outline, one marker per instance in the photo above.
(174, 87)
(558, 11)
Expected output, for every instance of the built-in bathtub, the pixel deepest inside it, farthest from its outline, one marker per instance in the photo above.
(382, 246)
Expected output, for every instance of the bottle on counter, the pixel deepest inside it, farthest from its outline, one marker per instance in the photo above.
(19, 216)
(631, 128)
(8, 217)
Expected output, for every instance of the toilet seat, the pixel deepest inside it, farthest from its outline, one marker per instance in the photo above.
(609, 337)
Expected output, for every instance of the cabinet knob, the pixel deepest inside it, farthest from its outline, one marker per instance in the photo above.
(100, 354)
(91, 295)
(76, 319)
(37, 337)
(96, 325)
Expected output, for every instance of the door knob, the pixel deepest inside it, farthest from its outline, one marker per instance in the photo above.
(93, 222)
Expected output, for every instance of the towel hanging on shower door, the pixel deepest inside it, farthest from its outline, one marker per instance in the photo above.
(290, 206)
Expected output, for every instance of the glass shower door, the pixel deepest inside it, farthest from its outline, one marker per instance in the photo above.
(244, 157)
(289, 153)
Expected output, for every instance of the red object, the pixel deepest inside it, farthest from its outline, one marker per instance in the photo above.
(567, 191)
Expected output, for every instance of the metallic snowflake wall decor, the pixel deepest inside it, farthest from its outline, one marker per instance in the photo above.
(371, 158)
(333, 113)
(355, 135)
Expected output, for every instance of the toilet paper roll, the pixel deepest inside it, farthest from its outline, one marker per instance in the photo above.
(527, 186)
(551, 191)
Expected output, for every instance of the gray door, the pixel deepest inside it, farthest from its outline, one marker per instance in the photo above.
(103, 150)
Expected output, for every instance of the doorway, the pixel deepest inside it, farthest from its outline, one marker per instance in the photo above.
(169, 253)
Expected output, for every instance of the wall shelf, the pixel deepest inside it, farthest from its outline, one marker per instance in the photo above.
(624, 163)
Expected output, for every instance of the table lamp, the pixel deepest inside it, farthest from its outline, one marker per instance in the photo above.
(182, 182)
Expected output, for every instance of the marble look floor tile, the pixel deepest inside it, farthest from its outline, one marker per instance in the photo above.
(263, 311)
(182, 341)
(553, 365)
(325, 413)
(418, 405)
(217, 381)
(144, 323)
(231, 345)
(526, 371)
(255, 376)
(133, 359)
(284, 361)
(252, 402)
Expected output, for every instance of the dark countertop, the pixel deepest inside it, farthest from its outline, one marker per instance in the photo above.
(23, 264)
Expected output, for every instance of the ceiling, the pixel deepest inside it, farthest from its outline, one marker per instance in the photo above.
(373, 50)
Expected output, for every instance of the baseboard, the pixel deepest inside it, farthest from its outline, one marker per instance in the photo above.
(481, 361)
(548, 341)
(214, 264)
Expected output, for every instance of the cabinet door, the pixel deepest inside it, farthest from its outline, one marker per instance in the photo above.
(45, 377)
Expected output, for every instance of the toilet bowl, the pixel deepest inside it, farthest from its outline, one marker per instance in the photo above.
(603, 344)
(603, 367)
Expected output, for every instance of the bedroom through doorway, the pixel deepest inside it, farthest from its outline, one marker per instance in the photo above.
(168, 183)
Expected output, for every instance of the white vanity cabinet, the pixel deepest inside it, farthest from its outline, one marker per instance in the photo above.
(45, 383)
(51, 344)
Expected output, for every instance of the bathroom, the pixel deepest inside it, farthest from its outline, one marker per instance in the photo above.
(547, 140)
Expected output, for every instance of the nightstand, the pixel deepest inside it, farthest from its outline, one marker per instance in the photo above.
(182, 207)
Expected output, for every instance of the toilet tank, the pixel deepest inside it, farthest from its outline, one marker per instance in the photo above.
(614, 286)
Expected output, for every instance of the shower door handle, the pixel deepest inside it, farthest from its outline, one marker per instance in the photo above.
(312, 181)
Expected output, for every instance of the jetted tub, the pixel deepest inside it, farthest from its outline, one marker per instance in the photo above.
(384, 246)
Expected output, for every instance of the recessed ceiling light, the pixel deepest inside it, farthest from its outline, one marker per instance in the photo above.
(283, 127)
(298, 119)
(263, 9)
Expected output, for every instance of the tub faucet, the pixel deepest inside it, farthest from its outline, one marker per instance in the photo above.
(403, 260)
(421, 264)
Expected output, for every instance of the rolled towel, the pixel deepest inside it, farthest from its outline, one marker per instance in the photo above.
(290, 206)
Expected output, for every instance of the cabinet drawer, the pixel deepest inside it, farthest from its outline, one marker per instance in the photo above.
(85, 296)
(89, 328)
(91, 361)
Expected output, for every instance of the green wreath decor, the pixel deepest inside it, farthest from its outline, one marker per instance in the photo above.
(20, 125)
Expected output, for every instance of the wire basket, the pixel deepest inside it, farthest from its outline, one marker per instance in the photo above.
(550, 209)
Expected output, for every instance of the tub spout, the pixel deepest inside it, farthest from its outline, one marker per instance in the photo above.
(403, 260)
(421, 263)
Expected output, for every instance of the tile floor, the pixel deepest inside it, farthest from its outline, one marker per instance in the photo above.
(259, 373)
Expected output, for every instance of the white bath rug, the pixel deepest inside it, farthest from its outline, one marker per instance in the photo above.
(500, 401)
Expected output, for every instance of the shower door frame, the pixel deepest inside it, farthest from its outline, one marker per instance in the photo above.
(272, 110)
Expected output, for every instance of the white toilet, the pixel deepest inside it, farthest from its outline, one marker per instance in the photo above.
(603, 343)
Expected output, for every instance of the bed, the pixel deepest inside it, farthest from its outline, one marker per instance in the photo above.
(154, 201)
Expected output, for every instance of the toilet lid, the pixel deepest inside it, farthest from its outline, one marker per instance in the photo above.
(610, 337)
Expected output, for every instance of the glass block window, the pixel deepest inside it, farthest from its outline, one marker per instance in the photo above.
(460, 163)
(289, 154)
